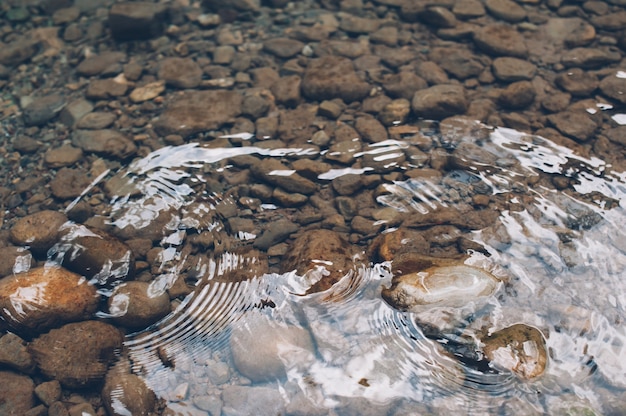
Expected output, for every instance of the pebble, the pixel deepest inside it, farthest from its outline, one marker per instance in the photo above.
(105, 62)
(498, 40)
(14, 354)
(264, 350)
(333, 77)
(577, 82)
(268, 171)
(39, 231)
(69, 183)
(283, 47)
(508, 69)
(614, 86)
(104, 89)
(506, 10)
(241, 400)
(147, 92)
(403, 84)
(45, 297)
(65, 155)
(107, 142)
(180, 72)
(136, 20)
(96, 120)
(577, 125)
(439, 101)
(43, 109)
(519, 348)
(48, 392)
(517, 95)
(18, 51)
(198, 111)
(82, 352)
(275, 233)
(127, 394)
(74, 111)
(14, 260)
(17, 393)
(137, 305)
(588, 58)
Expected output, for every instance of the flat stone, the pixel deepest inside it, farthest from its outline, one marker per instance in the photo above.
(39, 231)
(69, 183)
(105, 141)
(65, 155)
(197, 111)
(43, 109)
(440, 101)
(403, 84)
(347, 184)
(275, 172)
(103, 89)
(577, 125)
(611, 21)
(333, 77)
(77, 354)
(97, 64)
(136, 20)
(138, 304)
(18, 51)
(577, 82)
(498, 40)
(517, 95)
(25, 144)
(180, 72)
(48, 392)
(437, 16)
(286, 90)
(468, 9)
(45, 297)
(358, 25)
(614, 86)
(96, 120)
(506, 10)
(509, 69)
(74, 111)
(242, 400)
(283, 47)
(589, 58)
(147, 92)
(371, 130)
(276, 232)
(459, 62)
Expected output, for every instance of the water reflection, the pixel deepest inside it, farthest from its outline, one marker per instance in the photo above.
(562, 251)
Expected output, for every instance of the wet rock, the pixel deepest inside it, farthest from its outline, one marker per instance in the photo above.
(589, 58)
(432, 73)
(138, 304)
(461, 63)
(387, 35)
(333, 77)
(283, 47)
(617, 135)
(106, 142)
(264, 350)
(437, 16)
(286, 91)
(403, 84)
(18, 51)
(500, 40)
(357, 25)
(577, 82)
(323, 257)
(611, 21)
(519, 348)
(577, 125)
(39, 231)
(509, 69)
(69, 183)
(439, 101)
(42, 109)
(388, 246)
(74, 111)
(105, 62)
(48, 392)
(16, 394)
(347, 184)
(198, 111)
(96, 120)
(556, 103)
(241, 400)
(243, 5)
(180, 72)
(371, 130)
(65, 155)
(517, 95)
(136, 20)
(449, 286)
(396, 112)
(147, 92)
(468, 9)
(506, 10)
(103, 89)
(276, 232)
(45, 297)
(276, 173)
(14, 260)
(25, 144)
(614, 86)
(95, 254)
(78, 354)
(127, 394)
(13, 354)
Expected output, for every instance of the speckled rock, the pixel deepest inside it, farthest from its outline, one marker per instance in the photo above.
(138, 304)
(519, 348)
(45, 297)
(439, 101)
(96, 255)
(77, 354)
(333, 77)
(127, 394)
(198, 111)
(265, 350)
(16, 394)
(39, 231)
(180, 72)
(323, 257)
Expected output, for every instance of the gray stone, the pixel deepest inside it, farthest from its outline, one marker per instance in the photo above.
(74, 111)
(243, 401)
(96, 120)
(42, 109)
(276, 232)
(18, 51)
(137, 20)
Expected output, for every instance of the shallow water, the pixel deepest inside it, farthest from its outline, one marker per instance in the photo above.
(560, 253)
